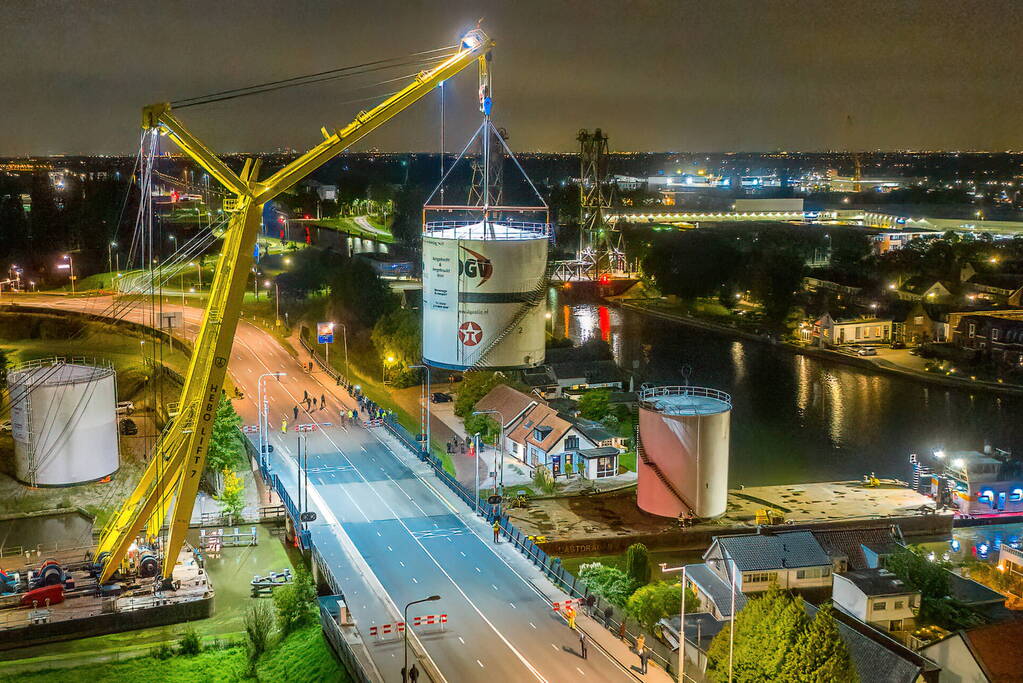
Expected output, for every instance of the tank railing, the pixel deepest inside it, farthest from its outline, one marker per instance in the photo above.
(657, 392)
(62, 360)
(501, 230)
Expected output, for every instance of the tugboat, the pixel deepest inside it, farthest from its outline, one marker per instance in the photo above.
(982, 487)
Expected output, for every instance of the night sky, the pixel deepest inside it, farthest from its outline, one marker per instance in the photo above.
(709, 75)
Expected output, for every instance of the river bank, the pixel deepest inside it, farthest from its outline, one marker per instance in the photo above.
(865, 363)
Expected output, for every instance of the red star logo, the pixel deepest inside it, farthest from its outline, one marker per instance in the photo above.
(470, 333)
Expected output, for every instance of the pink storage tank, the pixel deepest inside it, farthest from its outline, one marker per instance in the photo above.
(684, 444)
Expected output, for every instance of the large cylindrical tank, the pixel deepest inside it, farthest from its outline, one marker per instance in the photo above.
(64, 422)
(684, 440)
(481, 295)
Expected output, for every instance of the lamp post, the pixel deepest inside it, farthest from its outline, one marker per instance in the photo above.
(476, 471)
(110, 256)
(264, 432)
(432, 598)
(344, 337)
(383, 368)
(665, 569)
(425, 411)
(198, 268)
(500, 439)
(70, 266)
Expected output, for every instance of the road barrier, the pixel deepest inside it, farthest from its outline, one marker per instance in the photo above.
(250, 429)
(557, 606)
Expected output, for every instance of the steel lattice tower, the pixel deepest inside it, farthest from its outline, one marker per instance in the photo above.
(598, 239)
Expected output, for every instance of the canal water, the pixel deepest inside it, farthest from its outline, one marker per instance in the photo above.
(796, 418)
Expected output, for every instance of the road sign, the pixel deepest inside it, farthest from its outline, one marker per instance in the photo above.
(324, 333)
(494, 500)
(172, 320)
(307, 516)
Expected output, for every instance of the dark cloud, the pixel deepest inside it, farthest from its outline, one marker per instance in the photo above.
(658, 75)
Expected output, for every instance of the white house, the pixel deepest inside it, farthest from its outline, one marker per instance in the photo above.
(877, 597)
(852, 331)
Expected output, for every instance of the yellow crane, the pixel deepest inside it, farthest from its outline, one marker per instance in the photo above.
(172, 477)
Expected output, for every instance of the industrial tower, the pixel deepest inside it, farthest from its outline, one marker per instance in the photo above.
(600, 242)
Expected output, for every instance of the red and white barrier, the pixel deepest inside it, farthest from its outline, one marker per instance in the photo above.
(430, 620)
(382, 631)
(305, 428)
(250, 429)
(373, 423)
(558, 606)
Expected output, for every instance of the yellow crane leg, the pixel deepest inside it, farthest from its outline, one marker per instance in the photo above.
(228, 290)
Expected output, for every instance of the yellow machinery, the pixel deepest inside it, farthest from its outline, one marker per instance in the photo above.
(768, 516)
(173, 474)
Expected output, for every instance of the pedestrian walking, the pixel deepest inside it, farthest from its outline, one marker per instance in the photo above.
(644, 656)
(621, 629)
(413, 674)
(582, 644)
(497, 530)
(570, 614)
(284, 425)
(323, 399)
(640, 642)
(305, 395)
(296, 413)
(607, 616)
(314, 401)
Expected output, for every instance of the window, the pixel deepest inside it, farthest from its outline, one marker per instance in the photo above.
(994, 334)
(760, 577)
(859, 333)
(899, 604)
(880, 606)
(973, 330)
(1016, 495)
(607, 466)
(986, 496)
(813, 572)
(571, 443)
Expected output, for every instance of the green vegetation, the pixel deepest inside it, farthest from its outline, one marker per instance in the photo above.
(637, 563)
(294, 602)
(775, 640)
(933, 580)
(655, 601)
(301, 656)
(226, 453)
(594, 404)
(232, 497)
(487, 427)
(611, 583)
(474, 386)
(352, 227)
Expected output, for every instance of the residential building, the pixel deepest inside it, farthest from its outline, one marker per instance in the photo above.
(889, 240)
(859, 547)
(923, 324)
(792, 560)
(877, 597)
(536, 434)
(995, 338)
(926, 289)
(980, 655)
(829, 331)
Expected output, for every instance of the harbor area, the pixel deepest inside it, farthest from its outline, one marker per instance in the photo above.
(608, 523)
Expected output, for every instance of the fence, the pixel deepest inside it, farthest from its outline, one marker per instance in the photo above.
(344, 651)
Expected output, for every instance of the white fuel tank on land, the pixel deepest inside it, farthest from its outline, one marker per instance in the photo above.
(64, 422)
(684, 435)
(481, 281)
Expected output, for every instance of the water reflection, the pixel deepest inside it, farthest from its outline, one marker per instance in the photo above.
(797, 418)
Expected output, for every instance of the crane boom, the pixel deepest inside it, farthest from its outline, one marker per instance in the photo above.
(172, 476)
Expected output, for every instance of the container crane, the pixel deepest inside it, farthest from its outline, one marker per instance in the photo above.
(170, 483)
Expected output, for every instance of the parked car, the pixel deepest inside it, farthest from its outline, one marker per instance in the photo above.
(125, 408)
(866, 351)
(898, 345)
(440, 397)
(128, 427)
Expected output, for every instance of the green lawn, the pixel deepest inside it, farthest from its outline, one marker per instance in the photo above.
(302, 656)
(349, 225)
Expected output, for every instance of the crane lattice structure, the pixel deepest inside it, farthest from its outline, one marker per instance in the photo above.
(600, 242)
(171, 480)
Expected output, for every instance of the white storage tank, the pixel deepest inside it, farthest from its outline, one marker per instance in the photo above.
(684, 437)
(483, 293)
(64, 421)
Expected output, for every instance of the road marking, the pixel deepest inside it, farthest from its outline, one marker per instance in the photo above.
(532, 624)
(460, 640)
(401, 563)
(414, 580)
(554, 646)
(478, 569)
(390, 548)
(580, 671)
(480, 663)
(494, 587)
(461, 553)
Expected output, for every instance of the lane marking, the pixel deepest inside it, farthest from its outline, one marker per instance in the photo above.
(480, 663)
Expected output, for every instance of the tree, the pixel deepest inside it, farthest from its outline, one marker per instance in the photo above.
(399, 333)
(819, 655)
(653, 602)
(765, 631)
(933, 580)
(259, 623)
(593, 405)
(225, 451)
(232, 498)
(488, 428)
(4, 364)
(611, 583)
(294, 601)
(637, 563)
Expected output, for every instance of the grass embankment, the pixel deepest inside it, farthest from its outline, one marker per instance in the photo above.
(352, 227)
(303, 656)
(671, 557)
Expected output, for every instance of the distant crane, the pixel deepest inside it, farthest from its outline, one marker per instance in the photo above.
(857, 167)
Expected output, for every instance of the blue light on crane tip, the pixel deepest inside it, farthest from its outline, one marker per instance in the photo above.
(470, 41)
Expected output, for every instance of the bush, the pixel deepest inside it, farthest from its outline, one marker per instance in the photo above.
(162, 651)
(637, 563)
(190, 644)
(611, 583)
(543, 479)
(259, 623)
(294, 602)
(656, 601)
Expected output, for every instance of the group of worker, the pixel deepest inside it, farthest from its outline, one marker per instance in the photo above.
(570, 613)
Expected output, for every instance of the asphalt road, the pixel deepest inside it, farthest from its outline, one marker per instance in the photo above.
(414, 541)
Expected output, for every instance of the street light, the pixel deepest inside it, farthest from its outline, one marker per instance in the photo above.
(110, 257)
(432, 598)
(425, 410)
(70, 267)
(500, 446)
(665, 569)
(388, 360)
(344, 335)
(264, 431)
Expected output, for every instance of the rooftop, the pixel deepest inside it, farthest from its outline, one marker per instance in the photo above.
(874, 582)
(509, 402)
(848, 542)
(764, 551)
(599, 452)
(989, 646)
(716, 588)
